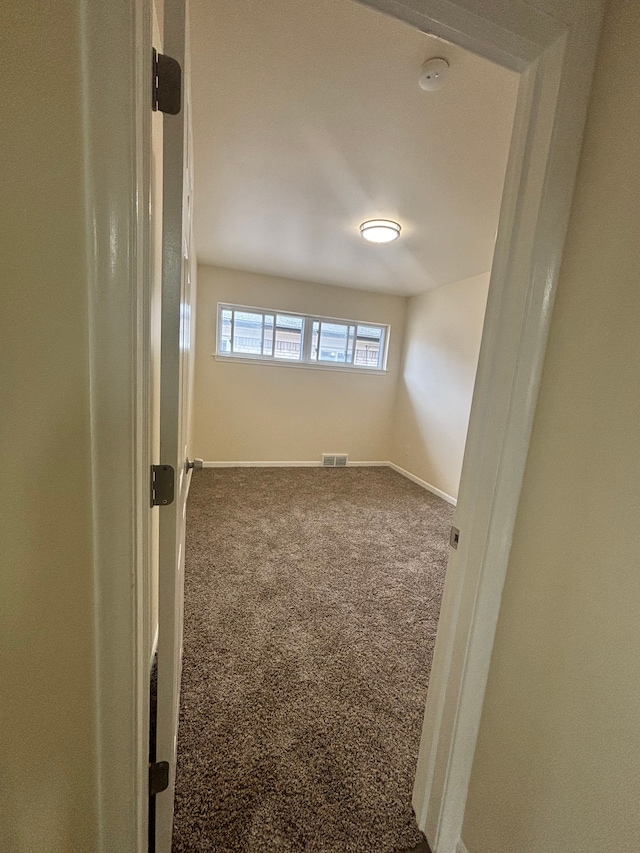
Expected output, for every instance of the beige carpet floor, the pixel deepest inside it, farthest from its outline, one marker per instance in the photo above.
(311, 604)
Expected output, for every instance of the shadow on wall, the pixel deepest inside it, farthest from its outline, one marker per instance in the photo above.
(439, 363)
(412, 440)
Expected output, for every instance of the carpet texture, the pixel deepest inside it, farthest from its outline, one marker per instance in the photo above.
(311, 604)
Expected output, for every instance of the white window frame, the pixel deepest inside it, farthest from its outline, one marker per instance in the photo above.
(305, 359)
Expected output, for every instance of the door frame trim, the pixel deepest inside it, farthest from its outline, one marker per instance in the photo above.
(552, 44)
(116, 122)
(176, 156)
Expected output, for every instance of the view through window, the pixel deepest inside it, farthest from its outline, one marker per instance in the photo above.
(256, 333)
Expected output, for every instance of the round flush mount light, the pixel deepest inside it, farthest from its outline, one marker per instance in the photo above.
(380, 230)
(434, 74)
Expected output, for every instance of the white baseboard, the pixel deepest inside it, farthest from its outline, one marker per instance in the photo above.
(423, 483)
(350, 464)
(262, 464)
(286, 464)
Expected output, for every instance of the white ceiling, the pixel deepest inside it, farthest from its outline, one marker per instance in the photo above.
(308, 119)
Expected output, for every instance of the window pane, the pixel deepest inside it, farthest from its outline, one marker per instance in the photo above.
(268, 335)
(333, 342)
(225, 330)
(260, 334)
(288, 337)
(247, 333)
(368, 346)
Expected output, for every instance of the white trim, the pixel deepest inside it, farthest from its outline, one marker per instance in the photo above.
(306, 338)
(553, 44)
(305, 464)
(116, 131)
(262, 464)
(281, 362)
(313, 464)
(460, 848)
(174, 352)
(423, 483)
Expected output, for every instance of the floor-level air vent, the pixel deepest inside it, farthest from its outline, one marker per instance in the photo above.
(334, 460)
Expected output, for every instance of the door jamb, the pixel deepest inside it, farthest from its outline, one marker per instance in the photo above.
(552, 43)
(553, 47)
(116, 127)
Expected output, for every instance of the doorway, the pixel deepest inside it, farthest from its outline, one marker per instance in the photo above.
(552, 44)
(252, 406)
(500, 403)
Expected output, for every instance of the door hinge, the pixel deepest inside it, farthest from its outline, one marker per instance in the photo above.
(454, 537)
(167, 84)
(162, 485)
(158, 777)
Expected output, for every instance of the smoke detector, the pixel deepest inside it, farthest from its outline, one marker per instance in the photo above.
(434, 74)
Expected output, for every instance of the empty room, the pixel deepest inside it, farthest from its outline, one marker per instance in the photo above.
(317, 711)
(349, 172)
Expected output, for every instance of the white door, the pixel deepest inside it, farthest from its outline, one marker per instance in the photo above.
(177, 261)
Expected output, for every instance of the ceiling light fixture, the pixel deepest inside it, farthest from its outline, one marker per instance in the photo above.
(380, 230)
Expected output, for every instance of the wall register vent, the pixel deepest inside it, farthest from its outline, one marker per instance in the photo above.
(334, 460)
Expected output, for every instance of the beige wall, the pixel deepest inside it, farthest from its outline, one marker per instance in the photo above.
(191, 367)
(416, 415)
(47, 708)
(264, 412)
(435, 386)
(557, 767)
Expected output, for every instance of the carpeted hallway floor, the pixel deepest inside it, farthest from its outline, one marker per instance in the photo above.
(311, 603)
